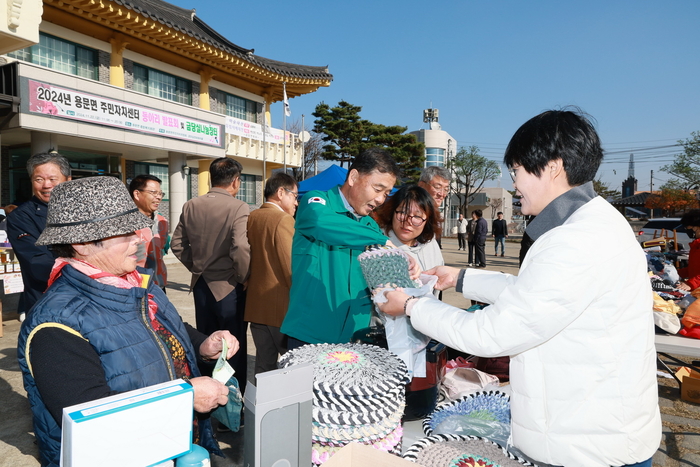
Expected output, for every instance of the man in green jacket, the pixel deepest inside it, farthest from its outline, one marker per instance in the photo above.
(329, 299)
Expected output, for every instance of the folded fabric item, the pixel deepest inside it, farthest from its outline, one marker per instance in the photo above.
(390, 401)
(665, 304)
(358, 396)
(673, 295)
(350, 369)
(384, 266)
(490, 405)
(667, 321)
(342, 417)
(659, 285)
(325, 432)
(462, 451)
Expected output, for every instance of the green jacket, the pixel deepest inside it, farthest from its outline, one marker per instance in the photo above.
(329, 299)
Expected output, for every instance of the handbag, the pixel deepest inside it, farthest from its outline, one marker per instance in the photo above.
(462, 378)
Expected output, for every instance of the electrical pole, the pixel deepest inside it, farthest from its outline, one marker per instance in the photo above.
(651, 191)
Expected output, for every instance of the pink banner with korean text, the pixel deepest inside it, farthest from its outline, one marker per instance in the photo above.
(49, 99)
(246, 129)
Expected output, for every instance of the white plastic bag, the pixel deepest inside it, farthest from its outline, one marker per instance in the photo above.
(403, 340)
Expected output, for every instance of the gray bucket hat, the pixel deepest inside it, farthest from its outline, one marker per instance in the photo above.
(89, 209)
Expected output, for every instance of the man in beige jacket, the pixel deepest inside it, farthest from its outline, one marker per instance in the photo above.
(270, 233)
(211, 241)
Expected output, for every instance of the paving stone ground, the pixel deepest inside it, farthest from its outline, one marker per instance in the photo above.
(680, 446)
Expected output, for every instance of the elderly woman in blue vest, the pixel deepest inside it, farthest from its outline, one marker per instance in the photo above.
(104, 327)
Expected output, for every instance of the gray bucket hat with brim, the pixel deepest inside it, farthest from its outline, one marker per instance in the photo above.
(89, 209)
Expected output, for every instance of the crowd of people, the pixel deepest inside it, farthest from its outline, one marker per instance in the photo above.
(579, 336)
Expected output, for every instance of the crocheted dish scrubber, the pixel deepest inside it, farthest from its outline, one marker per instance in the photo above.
(359, 396)
(489, 405)
(461, 451)
(384, 266)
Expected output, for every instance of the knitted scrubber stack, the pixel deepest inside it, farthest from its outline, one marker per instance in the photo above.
(489, 405)
(359, 396)
(461, 451)
(384, 266)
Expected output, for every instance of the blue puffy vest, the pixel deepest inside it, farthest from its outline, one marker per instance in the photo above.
(115, 322)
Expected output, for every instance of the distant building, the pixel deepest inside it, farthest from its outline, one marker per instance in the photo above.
(439, 145)
(629, 187)
(490, 200)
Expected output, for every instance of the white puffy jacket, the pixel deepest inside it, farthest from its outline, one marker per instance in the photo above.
(577, 323)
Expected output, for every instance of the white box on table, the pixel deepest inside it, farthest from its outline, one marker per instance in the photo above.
(138, 428)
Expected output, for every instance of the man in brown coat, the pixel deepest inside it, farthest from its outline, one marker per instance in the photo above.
(270, 232)
(212, 242)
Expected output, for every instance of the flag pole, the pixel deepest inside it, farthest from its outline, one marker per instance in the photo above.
(264, 130)
(284, 126)
(303, 165)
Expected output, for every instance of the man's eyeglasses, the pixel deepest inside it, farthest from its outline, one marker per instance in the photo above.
(295, 193)
(441, 188)
(416, 221)
(155, 194)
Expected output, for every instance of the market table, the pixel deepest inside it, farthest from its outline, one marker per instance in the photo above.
(677, 345)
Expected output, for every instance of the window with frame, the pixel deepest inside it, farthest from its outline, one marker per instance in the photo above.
(157, 170)
(434, 156)
(163, 85)
(238, 107)
(247, 191)
(60, 55)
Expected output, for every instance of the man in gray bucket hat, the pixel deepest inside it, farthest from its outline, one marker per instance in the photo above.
(104, 327)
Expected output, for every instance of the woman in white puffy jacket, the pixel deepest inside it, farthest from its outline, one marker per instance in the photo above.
(579, 330)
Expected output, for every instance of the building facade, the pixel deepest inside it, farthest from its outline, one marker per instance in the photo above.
(126, 87)
(440, 147)
(490, 200)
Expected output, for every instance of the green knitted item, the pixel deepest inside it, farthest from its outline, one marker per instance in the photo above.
(383, 266)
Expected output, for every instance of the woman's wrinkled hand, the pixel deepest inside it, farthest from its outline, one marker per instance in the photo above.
(208, 394)
(212, 346)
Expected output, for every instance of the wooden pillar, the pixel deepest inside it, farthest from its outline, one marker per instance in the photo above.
(205, 75)
(203, 177)
(116, 60)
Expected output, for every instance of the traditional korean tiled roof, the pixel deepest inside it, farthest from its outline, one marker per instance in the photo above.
(637, 199)
(187, 22)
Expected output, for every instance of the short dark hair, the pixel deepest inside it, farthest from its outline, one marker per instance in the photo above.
(691, 218)
(557, 134)
(277, 181)
(403, 197)
(377, 159)
(139, 182)
(499, 212)
(478, 212)
(52, 157)
(223, 171)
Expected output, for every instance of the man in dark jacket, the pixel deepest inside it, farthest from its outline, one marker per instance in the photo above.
(27, 222)
(499, 230)
(482, 230)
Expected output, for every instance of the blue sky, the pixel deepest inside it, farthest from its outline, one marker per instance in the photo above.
(490, 66)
